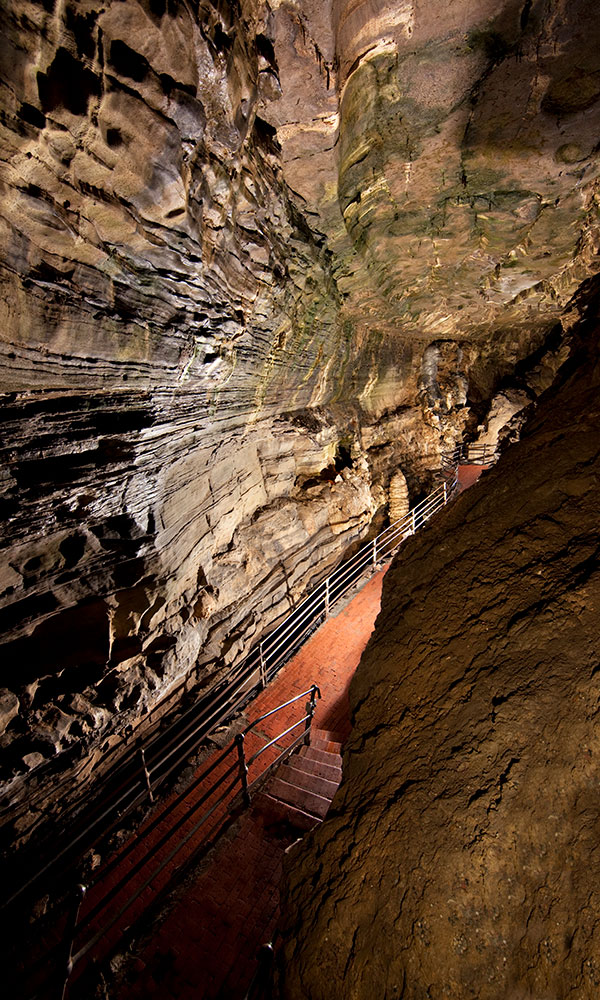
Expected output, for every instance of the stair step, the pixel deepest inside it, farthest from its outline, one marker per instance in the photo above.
(314, 753)
(327, 735)
(322, 769)
(309, 802)
(310, 782)
(323, 744)
(276, 811)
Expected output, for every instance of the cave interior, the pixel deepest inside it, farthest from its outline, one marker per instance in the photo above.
(264, 264)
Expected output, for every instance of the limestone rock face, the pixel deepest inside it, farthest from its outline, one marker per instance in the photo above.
(254, 258)
(460, 859)
(463, 142)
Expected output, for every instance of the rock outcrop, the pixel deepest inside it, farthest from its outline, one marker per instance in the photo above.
(255, 259)
(460, 859)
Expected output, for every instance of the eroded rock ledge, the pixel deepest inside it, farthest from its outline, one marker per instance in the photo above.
(461, 857)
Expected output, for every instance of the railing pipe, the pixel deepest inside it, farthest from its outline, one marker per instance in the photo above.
(276, 739)
(70, 932)
(243, 767)
(310, 711)
(272, 650)
(146, 774)
(263, 666)
(176, 743)
(296, 617)
(285, 704)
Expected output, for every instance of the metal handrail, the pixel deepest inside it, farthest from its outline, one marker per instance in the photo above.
(242, 765)
(286, 704)
(286, 732)
(256, 668)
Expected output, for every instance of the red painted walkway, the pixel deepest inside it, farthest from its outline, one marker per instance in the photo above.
(469, 474)
(207, 944)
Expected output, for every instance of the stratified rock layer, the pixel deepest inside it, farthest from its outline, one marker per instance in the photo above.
(462, 856)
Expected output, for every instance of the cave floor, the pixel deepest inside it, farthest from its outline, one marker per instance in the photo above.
(207, 943)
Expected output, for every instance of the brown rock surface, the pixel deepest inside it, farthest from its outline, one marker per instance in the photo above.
(461, 857)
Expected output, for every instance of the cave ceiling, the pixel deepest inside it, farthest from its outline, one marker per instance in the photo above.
(451, 154)
(187, 186)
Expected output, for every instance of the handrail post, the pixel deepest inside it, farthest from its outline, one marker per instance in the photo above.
(375, 553)
(327, 597)
(243, 767)
(445, 493)
(146, 776)
(70, 936)
(310, 711)
(414, 523)
(263, 667)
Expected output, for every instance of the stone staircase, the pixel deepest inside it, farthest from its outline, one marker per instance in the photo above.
(301, 790)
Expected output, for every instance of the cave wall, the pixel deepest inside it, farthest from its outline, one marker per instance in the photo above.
(239, 240)
(460, 857)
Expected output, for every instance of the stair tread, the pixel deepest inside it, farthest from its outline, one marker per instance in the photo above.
(329, 745)
(314, 753)
(327, 735)
(277, 811)
(323, 769)
(311, 782)
(309, 802)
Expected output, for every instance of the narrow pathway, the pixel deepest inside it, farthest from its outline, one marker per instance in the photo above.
(207, 944)
(469, 474)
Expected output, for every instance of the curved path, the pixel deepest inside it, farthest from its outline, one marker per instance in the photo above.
(206, 944)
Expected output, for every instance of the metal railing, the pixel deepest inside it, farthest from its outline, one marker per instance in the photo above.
(235, 778)
(272, 651)
(475, 454)
(138, 778)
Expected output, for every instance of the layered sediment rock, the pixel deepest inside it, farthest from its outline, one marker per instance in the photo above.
(460, 858)
(255, 258)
